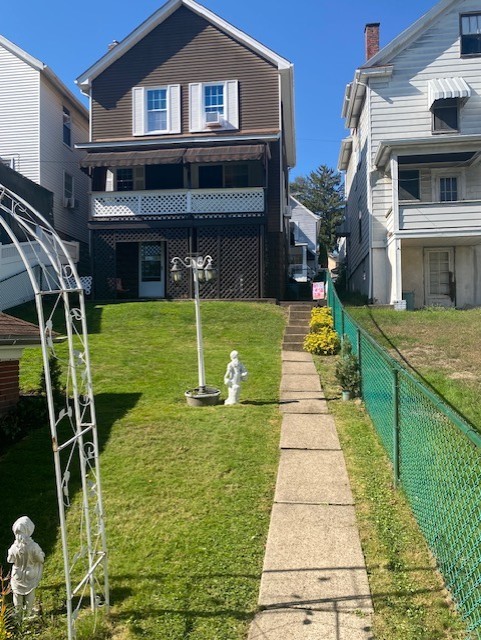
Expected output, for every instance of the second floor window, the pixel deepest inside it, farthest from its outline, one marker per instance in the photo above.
(448, 189)
(157, 112)
(471, 34)
(409, 185)
(125, 179)
(445, 115)
(67, 127)
(213, 103)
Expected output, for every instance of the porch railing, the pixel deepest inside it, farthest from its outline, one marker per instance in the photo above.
(180, 201)
(431, 216)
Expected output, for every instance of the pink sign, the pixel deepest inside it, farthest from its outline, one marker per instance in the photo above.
(318, 291)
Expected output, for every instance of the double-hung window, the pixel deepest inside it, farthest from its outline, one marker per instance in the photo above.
(214, 105)
(214, 96)
(156, 110)
(68, 190)
(471, 34)
(67, 127)
(445, 115)
(448, 185)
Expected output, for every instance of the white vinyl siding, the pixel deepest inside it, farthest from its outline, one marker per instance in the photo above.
(56, 158)
(229, 120)
(19, 106)
(140, 118)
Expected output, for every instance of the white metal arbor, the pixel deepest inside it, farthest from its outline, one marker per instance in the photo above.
(57, 288)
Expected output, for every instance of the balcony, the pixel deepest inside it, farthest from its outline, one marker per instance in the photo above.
(178, 202)
(440, 217)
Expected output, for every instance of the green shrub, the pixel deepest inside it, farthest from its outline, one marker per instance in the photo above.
(347, 368)
(324, 342)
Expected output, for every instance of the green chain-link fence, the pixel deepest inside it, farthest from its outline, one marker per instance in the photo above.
(436, 456)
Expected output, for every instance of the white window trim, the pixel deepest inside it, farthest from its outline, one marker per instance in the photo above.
(66, 112)
(230, 118)
(8, 161)
(437, 174)
(140, 112)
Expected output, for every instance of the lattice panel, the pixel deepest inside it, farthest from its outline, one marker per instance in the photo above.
(239, 264)
(208, 243)
(228, 201)
(166, 203)
(124, 205)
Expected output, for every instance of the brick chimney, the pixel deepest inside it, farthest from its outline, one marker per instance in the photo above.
(371, 33)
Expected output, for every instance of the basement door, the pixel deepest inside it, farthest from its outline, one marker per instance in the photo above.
(151, 269)
(439, 277)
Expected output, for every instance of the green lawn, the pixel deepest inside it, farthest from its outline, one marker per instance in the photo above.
(441, 346)
(187, 491)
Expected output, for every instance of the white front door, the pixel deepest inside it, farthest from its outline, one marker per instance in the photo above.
(151, 269)
(439, 277)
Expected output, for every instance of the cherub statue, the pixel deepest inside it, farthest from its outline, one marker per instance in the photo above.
(27, 559)
(235, 374)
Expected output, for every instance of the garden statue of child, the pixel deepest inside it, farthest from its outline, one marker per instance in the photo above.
(235, 374)
(27, 559)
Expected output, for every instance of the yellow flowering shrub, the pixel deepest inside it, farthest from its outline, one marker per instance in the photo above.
(324, 342)
(321, 317)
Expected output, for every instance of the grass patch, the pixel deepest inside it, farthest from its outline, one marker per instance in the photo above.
(440, 346)
(187, 492)
(410, 601)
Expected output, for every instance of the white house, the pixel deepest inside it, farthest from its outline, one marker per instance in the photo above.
(412, 162)
(40, 122)
(304, 242)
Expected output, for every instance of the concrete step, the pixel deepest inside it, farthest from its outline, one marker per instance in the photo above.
(296, 330)
(293, 346)
(297, 316)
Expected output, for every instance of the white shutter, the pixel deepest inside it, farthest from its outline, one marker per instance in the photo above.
(138, 111)
(138, 178)
(232, 103)
(109, 180)
(196, 112)
(174, 108)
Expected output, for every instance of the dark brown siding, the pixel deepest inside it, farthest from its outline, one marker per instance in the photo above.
(183, 49)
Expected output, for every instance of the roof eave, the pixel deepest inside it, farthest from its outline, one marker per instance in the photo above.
(354, 96)
(399, 43)
(345, 154)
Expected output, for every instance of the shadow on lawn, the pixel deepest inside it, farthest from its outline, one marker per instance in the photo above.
(28, 312)
(418, 374)
(27, 475)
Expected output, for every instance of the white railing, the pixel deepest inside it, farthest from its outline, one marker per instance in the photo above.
(15, 286)
(167, 202)
(437, 216)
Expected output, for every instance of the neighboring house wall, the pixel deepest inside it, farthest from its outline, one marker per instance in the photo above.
(19, 108)
(56, 157)
(200, 52)
(32, 100)
(396, 108)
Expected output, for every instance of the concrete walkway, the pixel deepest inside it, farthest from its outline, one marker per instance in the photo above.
(314, 582)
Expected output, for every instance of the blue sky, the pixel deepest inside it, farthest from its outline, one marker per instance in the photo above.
(324, 40)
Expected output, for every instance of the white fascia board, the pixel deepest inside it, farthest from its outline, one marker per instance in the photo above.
(405, 38)
(345, 154)
(11, 352)
(155, 142)
(84, 81)
(20, 53)
(386, 147)
(357, 91)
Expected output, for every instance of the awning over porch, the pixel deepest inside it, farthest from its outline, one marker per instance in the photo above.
(231, 153)
(133, 158)
(447, 88)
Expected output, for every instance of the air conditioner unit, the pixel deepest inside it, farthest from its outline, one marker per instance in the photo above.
(69, 203)
(213, 119)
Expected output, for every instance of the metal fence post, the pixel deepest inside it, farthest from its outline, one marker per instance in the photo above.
(396, 451)
(359, 359)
